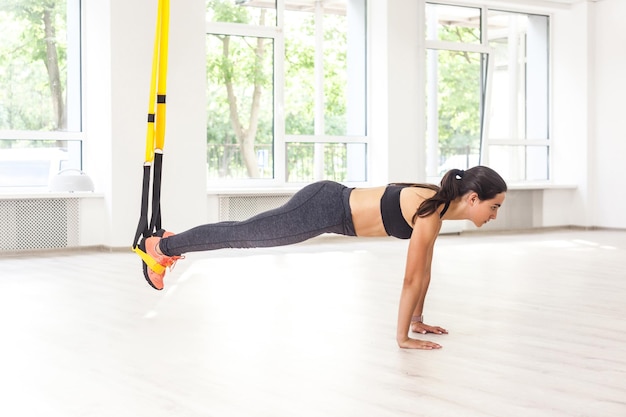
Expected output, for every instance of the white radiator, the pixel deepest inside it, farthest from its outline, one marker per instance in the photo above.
(242, 207)
(27, 224)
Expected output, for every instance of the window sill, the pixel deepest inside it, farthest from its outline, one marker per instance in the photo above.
(292, 189)
(30, 195)
(540, 186)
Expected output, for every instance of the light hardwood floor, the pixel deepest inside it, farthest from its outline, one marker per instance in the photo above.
(537, 326)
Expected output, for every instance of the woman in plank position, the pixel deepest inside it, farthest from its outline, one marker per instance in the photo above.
(405, 211)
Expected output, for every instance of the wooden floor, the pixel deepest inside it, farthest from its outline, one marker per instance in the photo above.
(537, 326)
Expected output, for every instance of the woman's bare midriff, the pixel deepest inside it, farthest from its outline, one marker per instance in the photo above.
(365, 207)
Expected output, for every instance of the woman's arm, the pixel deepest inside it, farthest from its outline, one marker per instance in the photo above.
(417, 279)
(418, 326)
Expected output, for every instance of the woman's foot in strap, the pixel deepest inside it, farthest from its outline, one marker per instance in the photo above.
(154, 270)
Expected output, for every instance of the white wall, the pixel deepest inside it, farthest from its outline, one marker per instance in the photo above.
(588, 90)
(97, 149)
(589, 140)
(571, 95)
(397, 129)
(118, 44)
(609, 113)
(588, 59)
(397, 125)
(378, 96)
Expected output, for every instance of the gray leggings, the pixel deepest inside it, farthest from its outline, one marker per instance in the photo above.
(321, 207)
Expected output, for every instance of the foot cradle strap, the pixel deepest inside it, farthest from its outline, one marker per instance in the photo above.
(149, 261)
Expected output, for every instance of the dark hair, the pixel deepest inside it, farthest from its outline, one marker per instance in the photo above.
(482, 180)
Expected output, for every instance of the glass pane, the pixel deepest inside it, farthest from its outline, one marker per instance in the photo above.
(308, 162)
(453, 104)
(519, 101)
(325, 68)
(39, 53)
(453, 23)
(31, 163)
(520, 163)
(249, 12)
(240, 103)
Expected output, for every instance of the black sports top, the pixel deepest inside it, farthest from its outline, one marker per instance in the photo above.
(391, 212)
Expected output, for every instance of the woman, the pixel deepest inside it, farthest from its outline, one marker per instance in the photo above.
(405, 211)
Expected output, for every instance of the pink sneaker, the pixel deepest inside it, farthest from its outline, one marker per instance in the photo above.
(154, 264)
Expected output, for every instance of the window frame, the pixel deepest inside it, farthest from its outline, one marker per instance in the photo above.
(281, 138)
(74, 98)
(520, 142)
(486, 142)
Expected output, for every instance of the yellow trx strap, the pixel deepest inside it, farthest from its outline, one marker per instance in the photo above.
(155, 134)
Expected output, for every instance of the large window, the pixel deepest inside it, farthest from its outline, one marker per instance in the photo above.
(487, 91)
(40, 109)
(456, 68)
(286, 90)
(518, 134)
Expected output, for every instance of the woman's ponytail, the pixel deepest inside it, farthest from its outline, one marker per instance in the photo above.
(482, 180)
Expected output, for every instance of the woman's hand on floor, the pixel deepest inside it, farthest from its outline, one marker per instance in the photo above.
(422, 328)
(409, 343)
